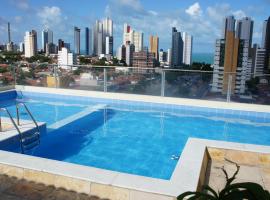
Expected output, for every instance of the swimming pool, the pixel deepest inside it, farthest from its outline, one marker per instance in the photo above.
(136, 138)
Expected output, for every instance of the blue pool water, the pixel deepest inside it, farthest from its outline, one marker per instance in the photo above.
(133, 138)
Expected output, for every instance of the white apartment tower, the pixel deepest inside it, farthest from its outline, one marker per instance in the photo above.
(30, 43)
(65, 59)
(133, 37)
(187, 48)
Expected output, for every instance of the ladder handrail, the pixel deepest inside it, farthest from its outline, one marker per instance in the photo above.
(28, 112)
(14, 124)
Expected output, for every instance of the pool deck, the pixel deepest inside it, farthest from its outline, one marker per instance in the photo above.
(254, 167)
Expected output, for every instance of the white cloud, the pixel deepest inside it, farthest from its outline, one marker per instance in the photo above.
(18, 19)
(50, 16)
(239, 14)
(194, 10)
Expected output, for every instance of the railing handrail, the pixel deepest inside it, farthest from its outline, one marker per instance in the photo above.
(142, 68)
(29, 113)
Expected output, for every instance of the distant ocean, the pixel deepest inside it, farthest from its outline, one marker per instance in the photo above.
(203, 57)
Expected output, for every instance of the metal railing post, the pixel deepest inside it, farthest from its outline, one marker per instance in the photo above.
(105, 79)
(229, 89)
(55, 76)
(1, 129)
(163, 83)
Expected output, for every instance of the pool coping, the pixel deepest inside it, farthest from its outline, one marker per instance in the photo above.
(187, 171)
(149, 99)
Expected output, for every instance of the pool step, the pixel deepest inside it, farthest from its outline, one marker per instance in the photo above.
(30, 146)
(30, 139)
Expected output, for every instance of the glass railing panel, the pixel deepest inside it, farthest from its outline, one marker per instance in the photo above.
(145, 81)
(6, 77)
(81, 78)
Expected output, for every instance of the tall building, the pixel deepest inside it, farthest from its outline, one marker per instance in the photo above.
(266, 42)
(65, 58)
(138, 41)
(21, 47)
(154, 45)
(244, 29)
(169, 57)
(9, 46)
(121, 54)
(231, 61)
(109, 45)
(130, 48)
(143, 59)
(61, 44)
(87, 40)
(229, 25)
(30, 43)
(133, 37)
(77, 40)
(108, 27)
(187, 48)
(258, 59)
(177, 48)
(98, 38)
(47, 38)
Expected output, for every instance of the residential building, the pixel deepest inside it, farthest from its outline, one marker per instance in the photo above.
(258, 60)
(9, 46)
(154, 45)
(143, 59)
(21, 47)
(107, 32)
(231, 62)
(98, 38)
(138, 41)
(244, 29)
(65, 58)
(229, 25)
(121, 53)
(162, 58)
(61, 44)
(169, 57)
(133, 37)
(177, 48)
(30, 43)
(46, 38)
(87, 38)
(266, 43)
(187, 48)
(130, 49)
(77, 40)
(109, 45)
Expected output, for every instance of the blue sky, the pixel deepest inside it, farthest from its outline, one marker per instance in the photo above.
(202, 19)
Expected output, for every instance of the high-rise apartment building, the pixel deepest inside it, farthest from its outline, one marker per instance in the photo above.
(231, 61)
(266, 43)
(229, 25)
(154, 45)
(130, 49)
(258, 60)
(121, 54)
(244, 29)
(98, 38)
(177, 48)
(10, 46)
(65, 58)
(46, 38)
(109, 45)
(187, 48)
(77, 40)
(30, 43)
(143, 59)
(107, 32)
(21, 47)
(61, 44)
(87, 40)
(133, 37)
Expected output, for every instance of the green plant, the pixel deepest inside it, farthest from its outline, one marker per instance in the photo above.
(231, 191)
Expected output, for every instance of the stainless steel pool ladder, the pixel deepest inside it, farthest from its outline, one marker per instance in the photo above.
(27, 141)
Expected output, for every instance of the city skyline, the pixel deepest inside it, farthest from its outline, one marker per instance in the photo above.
(188, 16)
